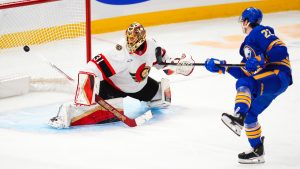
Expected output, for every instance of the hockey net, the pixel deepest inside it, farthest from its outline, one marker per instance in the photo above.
(57, 32)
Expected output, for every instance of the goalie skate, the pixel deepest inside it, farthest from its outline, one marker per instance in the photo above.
(234, 123)
(61, 120)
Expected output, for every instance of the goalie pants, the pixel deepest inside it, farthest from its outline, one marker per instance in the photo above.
(107, 91)
(265, 87)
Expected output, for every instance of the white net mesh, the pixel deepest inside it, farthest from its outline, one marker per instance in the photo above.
(54, 31)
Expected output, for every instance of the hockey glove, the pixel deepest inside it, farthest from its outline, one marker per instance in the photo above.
(253, 63)
(210, 65)
(184, 65)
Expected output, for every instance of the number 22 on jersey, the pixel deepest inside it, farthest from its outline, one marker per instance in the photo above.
(267, 33)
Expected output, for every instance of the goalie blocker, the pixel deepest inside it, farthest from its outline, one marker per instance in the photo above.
(85, 111)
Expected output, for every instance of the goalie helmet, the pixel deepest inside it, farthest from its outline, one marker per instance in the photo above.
(135, 36)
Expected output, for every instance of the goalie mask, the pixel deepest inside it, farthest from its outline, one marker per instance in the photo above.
(135, 36)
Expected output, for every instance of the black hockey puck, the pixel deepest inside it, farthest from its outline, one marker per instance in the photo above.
(26, 48)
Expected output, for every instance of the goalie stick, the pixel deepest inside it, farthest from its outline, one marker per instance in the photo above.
(128, 121)
(56, 68)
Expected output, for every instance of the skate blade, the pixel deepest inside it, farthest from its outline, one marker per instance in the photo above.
(256, 160)
(232, 126)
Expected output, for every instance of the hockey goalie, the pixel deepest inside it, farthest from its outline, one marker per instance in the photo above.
(117, 73)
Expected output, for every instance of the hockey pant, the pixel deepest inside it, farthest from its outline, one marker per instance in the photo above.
(107, 91)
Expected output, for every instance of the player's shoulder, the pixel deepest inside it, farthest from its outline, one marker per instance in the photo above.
(270, 29)
(116, 52)
(255, 34)
(152, 43)
(260, 29)
(256, 31)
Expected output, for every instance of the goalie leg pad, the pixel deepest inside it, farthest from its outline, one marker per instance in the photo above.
(71, 114)
(96, 114)
(87, 86)
(162, 98)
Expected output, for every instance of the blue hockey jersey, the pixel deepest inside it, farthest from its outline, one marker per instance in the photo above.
(262, 43)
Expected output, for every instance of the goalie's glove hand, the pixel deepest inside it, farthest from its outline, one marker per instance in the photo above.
(210, 65)
(184, 65)
(253, 63)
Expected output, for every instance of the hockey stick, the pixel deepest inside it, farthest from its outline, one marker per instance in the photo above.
(168, 71)
(56, 68)
(200, 64)
(128, 121)
(43, 58)
(158, 55)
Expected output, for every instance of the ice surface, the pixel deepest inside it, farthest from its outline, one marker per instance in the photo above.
(189, 135)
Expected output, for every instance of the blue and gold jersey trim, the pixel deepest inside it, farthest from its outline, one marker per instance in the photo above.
(284, 62)
(276, 42)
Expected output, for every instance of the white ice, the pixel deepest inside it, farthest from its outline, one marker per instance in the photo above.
(189, 135)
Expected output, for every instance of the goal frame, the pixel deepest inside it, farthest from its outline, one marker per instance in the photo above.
(21, 3)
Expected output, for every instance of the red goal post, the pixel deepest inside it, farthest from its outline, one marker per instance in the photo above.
(10, 4)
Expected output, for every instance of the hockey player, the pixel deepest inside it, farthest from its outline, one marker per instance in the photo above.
(117, 73)
(266, 75)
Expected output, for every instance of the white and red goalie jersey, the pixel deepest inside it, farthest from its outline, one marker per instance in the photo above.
(126, 72)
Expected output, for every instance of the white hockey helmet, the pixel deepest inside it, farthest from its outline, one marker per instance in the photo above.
(135, 36)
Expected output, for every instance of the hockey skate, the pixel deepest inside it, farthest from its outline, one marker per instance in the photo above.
(61, 120)
(234, 123)
(254, 156)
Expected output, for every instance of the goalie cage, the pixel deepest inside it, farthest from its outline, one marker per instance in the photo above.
(58, 32)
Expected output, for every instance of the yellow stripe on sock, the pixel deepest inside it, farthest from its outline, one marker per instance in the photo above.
(244, 94)
(253, 137)
(243, 101)
(242, 97)
(250, 133)
(254, 132)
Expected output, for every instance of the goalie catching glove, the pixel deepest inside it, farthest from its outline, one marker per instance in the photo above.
(185, 65)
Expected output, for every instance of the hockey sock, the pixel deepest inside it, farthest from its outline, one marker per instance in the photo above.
(253, 132)
(243, 99)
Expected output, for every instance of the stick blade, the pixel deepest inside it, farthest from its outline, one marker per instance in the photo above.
(143, 118)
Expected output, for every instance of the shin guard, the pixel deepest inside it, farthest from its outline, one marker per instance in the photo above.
(162, 98)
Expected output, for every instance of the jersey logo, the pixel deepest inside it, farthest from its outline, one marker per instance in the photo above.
(141, 73)
(249, 52)
(119, 47)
